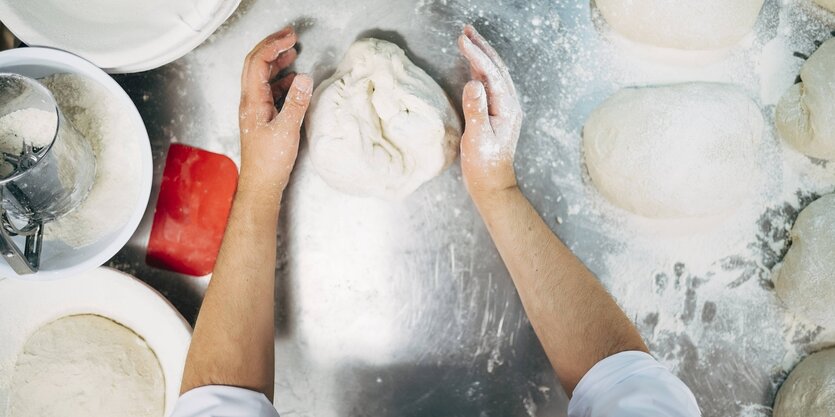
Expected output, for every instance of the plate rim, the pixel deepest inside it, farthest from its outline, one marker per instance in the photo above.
(178, 47)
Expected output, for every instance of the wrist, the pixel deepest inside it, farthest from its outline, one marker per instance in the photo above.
(486, 198)
(260, 188)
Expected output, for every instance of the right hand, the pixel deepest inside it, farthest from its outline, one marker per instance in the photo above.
(269, 138)
(493, 119)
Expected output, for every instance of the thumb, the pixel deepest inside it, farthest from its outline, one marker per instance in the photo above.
(477, 119)
(296, 102)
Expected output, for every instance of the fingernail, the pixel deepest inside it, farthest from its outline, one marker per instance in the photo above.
(467, 40)
(477, 89)
(303, 83)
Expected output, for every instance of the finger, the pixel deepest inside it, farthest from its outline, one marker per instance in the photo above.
(472, 34)
(476, 115)
(256, 95)
(282, 62)
(267, 51)
(296, 103)
(483, 69)
(281, 86)
(479, 41)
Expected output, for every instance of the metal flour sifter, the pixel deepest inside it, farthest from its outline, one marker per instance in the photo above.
(46, 171)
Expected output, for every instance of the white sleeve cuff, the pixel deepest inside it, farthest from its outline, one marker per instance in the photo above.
(631, 384)
(223, 401)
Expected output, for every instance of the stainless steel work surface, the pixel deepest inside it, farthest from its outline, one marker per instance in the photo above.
(405, 309)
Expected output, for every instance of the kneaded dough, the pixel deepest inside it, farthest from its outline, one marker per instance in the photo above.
(380, 126)
(86, 365)
(827, 4)
(806, 280)
(677, 151)
(682, 24)
(805, 113)
(809, 390)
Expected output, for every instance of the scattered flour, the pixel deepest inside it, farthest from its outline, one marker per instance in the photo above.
(100, 118)
(704, 300)
(86, 365)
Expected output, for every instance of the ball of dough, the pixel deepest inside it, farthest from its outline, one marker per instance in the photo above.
(81, 366)
(681, 24)
(805, 113)
(809, 390)
(380, 126)
(806, 280)
(827, 4)
(672, 152)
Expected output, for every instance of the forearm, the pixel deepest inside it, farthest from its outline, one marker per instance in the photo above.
(233, 342)
(576, 320)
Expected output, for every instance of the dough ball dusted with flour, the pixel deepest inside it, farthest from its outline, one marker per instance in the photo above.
(809, 390)
(380, 126)
(681, 24)
(672, 152)
(806, 113)
(806, 280)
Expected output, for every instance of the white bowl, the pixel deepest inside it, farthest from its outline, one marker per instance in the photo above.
(26, 306)
(58, 260)
(119, 36)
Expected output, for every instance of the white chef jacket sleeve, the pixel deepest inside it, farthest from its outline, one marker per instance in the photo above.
(223, 401)
(631, 384)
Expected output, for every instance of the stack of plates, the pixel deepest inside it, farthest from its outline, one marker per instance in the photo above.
(119, 36)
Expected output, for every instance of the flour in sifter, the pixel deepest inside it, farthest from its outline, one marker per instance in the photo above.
(100, 118)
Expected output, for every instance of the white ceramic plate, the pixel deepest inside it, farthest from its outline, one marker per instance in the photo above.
(117, 35)
(26, 306)
(58, 260)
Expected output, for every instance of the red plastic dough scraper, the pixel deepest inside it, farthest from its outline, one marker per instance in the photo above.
(195, 198)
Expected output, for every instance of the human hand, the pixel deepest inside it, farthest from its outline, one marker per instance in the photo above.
(493, 119)
(269, 138)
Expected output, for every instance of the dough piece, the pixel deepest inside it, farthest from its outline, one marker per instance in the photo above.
(809, 390)
(806, 280)
(380, 126)
(805, 113)
(681, 24)
(82, 366)
(672, 152)
(827, 4)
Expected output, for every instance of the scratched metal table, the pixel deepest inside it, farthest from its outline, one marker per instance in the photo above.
(406, 309)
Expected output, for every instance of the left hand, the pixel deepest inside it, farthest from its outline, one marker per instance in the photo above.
(269, 138)
(493, 119)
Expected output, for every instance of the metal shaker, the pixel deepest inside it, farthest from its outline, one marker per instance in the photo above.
(46, 171)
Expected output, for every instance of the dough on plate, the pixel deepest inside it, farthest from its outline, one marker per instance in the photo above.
(82, 366)
(809, 390)
(682, 24)
(805, 113)
(380, 126)
(677, 151)
(806, 280)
